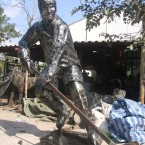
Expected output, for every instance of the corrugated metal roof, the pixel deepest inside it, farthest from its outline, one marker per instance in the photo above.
(37, 53)
(102, 45)
(97, 42)
(7, 45)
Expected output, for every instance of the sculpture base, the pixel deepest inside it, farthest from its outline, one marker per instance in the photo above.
(64, 138)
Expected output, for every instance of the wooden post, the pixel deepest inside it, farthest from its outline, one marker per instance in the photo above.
(142, 67)
(142, 91)
(26, 83)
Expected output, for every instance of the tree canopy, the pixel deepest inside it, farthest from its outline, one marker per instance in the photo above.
(28, 8)
(7, 30)
(133, 11)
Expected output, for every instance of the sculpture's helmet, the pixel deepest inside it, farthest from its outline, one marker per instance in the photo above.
(42, 3)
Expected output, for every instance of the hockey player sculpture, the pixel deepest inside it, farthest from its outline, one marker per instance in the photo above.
(62, 61)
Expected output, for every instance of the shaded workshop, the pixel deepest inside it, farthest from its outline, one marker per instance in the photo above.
(102, 62)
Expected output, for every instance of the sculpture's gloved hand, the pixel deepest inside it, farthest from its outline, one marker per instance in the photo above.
(45, 79)
(23, 55)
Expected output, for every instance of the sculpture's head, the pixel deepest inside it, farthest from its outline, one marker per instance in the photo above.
(47, 9)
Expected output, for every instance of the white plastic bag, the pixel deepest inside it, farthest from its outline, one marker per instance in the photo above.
(106, 109)
(100, 121)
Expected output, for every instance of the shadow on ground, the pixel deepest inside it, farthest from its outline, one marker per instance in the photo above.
(11, 128)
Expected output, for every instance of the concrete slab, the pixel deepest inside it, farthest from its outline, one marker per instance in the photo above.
(16, 128)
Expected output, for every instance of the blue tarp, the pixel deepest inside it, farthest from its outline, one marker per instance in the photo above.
(127, 121)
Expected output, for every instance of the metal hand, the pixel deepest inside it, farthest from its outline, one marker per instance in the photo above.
(45, 79)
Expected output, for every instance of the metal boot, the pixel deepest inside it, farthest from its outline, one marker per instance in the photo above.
(93, 137)
(62, 118)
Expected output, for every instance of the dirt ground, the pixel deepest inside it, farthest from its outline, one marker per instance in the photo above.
(17, 129)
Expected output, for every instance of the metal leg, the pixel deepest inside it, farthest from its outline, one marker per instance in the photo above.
(79, 98)
(53, 102)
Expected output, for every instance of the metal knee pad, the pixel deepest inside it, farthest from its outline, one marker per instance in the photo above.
(39, 91)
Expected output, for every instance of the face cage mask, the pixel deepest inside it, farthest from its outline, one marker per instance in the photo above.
(48, 5)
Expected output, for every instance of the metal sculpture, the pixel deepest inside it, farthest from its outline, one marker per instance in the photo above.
(62, 62)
